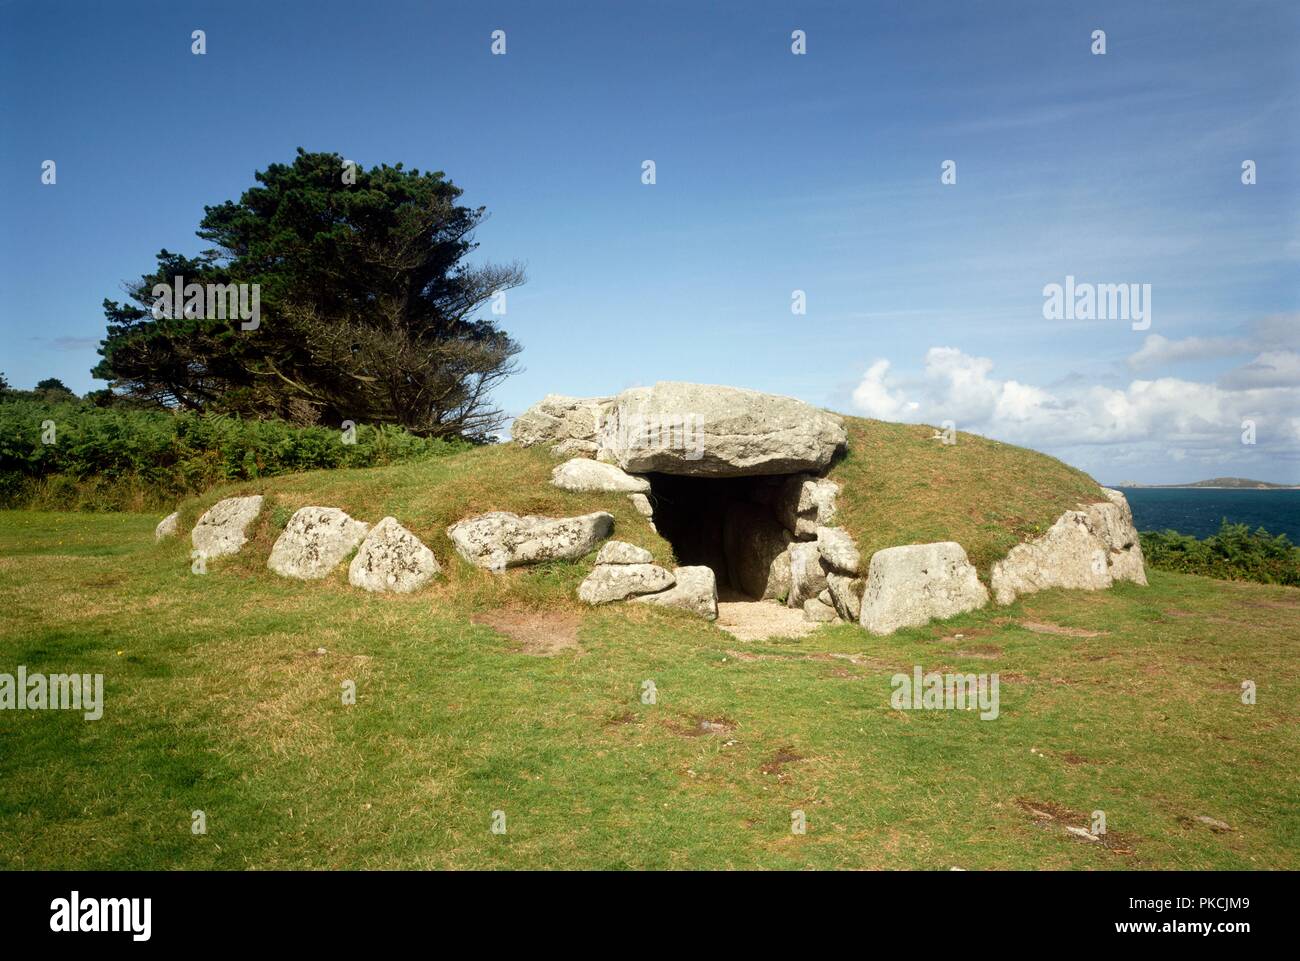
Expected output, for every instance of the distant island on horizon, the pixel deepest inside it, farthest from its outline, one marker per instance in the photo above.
(1218, 483)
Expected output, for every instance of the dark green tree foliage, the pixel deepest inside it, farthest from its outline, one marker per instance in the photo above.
(1235, 553)
(367, 307)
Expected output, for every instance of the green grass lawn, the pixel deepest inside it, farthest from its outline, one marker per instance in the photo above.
(216, 700)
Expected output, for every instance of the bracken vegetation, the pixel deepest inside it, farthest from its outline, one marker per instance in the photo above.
(121, 459)
(1235, 553)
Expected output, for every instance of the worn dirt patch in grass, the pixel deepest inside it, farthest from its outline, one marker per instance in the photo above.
(1073, 824)
(1042, 627)
(760, 620)
(1204, 821)
(539, 633)
(782, 757)
(698, 726)
(840, 673)
(984, 652)
(961, 636)
(859, 660)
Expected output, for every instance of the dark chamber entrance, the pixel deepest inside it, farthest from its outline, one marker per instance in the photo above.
(723, 523)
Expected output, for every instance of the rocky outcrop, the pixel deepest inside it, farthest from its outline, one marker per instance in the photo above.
(169, 526)
(807, 575)
(391, 558)
(1086, 549)
(818, 611)
(846, 596)
(909, 586)
(805, 503)
(754, 546)
(838, 550)
(498, 540)
(223, 527)
(575, 448)
(617, 582)
(695, 590)
(695, 429)
(583, 474)
(621, 552)
(314, 541)
(557, 418)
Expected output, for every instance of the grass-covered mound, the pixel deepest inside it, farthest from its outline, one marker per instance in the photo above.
(898, 486)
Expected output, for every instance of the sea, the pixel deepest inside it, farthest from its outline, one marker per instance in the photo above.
(1199, 510)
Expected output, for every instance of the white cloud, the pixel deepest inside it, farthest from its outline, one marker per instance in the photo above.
(1272, 368)
(1161, 350)
(1272, 333)
(1185, 418)
(874, 399)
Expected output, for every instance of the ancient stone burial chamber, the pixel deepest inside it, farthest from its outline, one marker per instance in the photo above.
(733, 479)
(729, 477)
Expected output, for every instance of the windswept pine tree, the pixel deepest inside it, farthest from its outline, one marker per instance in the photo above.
(368, 308)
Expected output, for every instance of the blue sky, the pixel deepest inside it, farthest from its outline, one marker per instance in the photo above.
(775, 172)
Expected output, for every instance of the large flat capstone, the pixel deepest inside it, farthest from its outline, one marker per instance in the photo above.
(699, 430)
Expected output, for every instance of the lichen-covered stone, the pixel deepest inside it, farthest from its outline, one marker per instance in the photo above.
(498, 540)
(223, 528)
(584, 474)
(391, 558)
(695, 590)
(617, 582)
(807, 576)
(169, 526)
(911, 585)
(314, 542)
(621, 552)
(1087, 549)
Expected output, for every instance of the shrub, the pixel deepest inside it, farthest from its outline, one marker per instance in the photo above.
(1235, 553)
(114, 458)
